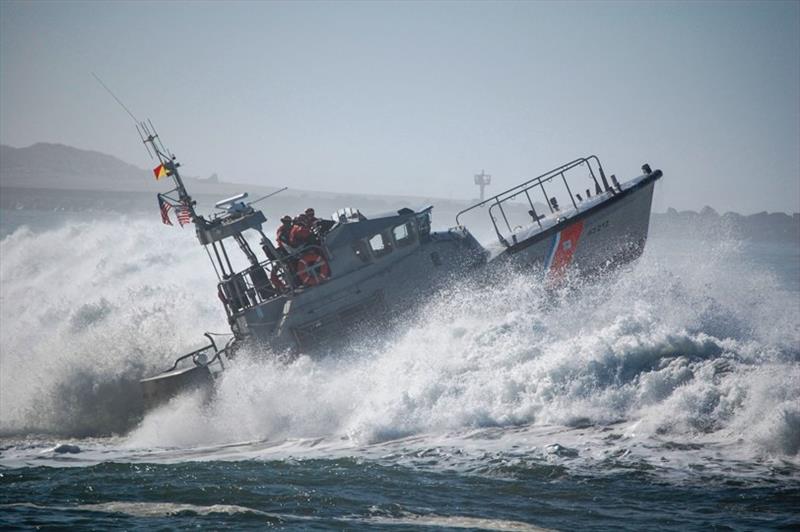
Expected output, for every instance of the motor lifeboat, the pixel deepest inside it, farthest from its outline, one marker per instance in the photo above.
(361, 269)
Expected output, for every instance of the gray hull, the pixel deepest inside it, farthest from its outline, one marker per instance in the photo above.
(374, 295)
(605, 235)
(608, 234)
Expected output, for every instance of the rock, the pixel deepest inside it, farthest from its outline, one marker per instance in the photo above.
(67, 448)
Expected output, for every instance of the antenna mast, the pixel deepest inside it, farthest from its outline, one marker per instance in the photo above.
(157, 150)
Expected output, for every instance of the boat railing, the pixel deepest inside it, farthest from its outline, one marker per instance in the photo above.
(256, 284)
(199, 356)
(536, 188)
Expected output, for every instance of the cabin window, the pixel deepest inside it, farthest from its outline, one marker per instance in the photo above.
(380, 245)
(403, 235)
(361, 251)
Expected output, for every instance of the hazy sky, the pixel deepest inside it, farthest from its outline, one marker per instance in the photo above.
(415, 97)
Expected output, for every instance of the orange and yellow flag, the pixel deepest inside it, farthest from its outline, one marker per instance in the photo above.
(160, 171)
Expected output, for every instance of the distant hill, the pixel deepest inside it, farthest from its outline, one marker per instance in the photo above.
(55, 177)
(57, 166)
(61, 167)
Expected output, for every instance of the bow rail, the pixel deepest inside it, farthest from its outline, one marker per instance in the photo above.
(535, 188)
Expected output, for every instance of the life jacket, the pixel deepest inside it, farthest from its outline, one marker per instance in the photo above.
(283, 235)
(299, 235)
(312, 268)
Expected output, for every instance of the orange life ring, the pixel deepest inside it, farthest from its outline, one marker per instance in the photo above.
(312, 269)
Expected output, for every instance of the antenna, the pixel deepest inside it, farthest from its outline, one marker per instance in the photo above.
(100, 81)
(146, 145)
(152, 141)
(147, 132)
(268, 195)
(164, 150)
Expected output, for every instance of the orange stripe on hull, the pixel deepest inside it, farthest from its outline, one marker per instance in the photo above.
(566, 244)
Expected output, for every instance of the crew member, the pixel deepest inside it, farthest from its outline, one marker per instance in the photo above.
(283, 235)
(301, 232)
(310, 218)
(286, 264)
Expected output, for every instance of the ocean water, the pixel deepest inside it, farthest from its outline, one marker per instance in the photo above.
(664, 396)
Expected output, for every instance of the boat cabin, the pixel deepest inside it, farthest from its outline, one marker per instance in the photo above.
(338, 249)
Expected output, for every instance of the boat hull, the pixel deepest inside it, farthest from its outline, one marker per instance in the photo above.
(367, 301)
(610, 231)
(609, 234)
(161, 388)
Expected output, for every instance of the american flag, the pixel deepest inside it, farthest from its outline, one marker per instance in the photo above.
(164, 206)
(184, 214)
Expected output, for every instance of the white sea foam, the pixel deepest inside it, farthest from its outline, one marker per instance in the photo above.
(170, 509)
(86, 310)
(150, 509)
(694, 346)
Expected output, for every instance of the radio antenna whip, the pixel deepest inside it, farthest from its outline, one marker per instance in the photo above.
(100, 81)
(156, 149)
(268, 195)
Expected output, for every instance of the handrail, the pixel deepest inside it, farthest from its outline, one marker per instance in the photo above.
(496, 201)
(538, 180)
(195, 352)
(250, 294)
(212, 345)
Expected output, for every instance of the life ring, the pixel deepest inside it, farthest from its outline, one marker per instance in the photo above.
(312, 269)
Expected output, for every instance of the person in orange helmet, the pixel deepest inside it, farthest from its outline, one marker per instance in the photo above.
(283, 235)
(301, 232)
(310, 218)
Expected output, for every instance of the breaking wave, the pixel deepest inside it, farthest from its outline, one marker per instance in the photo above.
(690, 345)
(87, 310)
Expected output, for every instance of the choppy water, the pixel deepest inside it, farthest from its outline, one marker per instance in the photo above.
(666, 396)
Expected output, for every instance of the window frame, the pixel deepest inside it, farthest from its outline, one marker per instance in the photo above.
(386, 240)
(410, 237)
